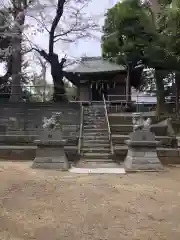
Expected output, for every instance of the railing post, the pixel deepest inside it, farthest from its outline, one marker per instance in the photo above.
(81, 129)
(109, 130)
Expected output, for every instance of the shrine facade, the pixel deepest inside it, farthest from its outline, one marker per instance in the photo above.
(95, 77)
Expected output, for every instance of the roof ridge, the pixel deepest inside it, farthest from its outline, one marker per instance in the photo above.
(84, 59)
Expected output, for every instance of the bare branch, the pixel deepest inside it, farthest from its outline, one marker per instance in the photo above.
(76, 30)
(40, 22)
(59, 13)
(75, 24)
(43, 54)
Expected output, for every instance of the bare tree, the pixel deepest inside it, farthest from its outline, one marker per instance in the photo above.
(74, 24)
(79, 26)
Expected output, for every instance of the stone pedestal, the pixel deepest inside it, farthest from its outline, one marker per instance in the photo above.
(50, 151)
(142, 152)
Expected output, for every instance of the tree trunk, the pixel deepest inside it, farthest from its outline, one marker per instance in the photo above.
(160, 93)
(59, 94)
(16, 90)
(44, 81)
(177, 92)
(128, 86)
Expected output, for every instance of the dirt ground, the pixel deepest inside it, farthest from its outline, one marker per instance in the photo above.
(54, 205)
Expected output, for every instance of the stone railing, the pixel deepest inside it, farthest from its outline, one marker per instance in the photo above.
(81, 129)
(108, 125)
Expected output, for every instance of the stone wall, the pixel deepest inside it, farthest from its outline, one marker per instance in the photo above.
(29, 117)
(166, 155)
(28, 153)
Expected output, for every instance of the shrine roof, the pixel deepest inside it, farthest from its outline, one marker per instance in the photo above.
(93, 69)
(96, 65)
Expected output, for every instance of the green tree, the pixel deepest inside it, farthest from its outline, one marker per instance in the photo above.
(126, 37)
(133, 34)
(171, 25)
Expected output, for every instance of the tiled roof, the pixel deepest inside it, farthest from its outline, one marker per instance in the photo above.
(95, 65)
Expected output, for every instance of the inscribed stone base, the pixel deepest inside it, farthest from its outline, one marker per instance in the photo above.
(142, 159)
(50, 157)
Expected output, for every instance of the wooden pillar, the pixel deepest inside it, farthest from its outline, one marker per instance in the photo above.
(128, 86)
(90, 91)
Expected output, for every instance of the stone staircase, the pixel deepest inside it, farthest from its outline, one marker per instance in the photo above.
(121, 127)
(95, 146)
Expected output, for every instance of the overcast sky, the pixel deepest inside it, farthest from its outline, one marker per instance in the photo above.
(92, 47)
(88, 47)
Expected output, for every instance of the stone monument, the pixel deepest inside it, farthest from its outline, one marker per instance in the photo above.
(142, 150)
(50, 147)
(137, 121)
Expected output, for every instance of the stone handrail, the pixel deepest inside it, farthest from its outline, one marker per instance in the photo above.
(81, 129)
(109, 129)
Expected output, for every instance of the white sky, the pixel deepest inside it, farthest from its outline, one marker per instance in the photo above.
(88, 47)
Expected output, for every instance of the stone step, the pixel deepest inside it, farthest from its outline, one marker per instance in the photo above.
(95, 150)
(95, 137)
(95, 141)
(96, 155)
(119, 122)
(95, 126)
(120, 132)
(95, 130)
(95, 109)
(94, 121)
(83, 163)
(97, 160)
(92, 117)
(95, 144)
(96, 133)
(95, 114)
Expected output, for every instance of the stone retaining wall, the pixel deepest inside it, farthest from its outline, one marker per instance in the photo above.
(166, 155)
(29, 117)
(16, 153)
(25, 153)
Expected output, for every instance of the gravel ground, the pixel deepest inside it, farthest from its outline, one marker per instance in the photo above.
(54, 205)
